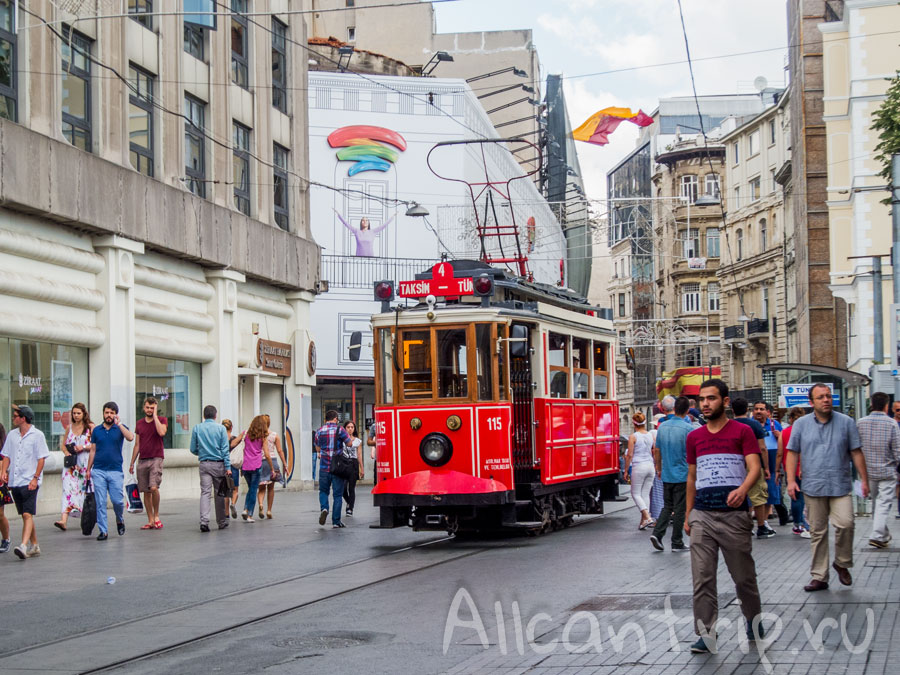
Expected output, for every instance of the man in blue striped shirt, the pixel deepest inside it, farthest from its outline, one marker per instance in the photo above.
(879, 437)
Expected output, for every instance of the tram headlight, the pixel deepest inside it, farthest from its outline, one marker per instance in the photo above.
(436, 449)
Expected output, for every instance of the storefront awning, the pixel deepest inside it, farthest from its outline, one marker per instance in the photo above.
(852, 378)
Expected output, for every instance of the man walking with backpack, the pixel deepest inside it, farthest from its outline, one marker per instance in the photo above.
(331, 438)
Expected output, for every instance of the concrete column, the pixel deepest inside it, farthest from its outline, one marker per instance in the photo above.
(220, 378)
(298, 389)
(112, 369)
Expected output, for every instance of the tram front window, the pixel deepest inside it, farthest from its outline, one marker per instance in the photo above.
(452, 361)
(580, 367)
(416, 364)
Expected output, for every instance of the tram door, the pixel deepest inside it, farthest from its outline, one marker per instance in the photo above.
(522, 414)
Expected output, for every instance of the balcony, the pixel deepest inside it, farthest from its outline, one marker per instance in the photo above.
(758, 329)
(344, 271)
(733, 333)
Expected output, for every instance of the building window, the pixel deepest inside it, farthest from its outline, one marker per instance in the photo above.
(763, 232)
(712, 242)
(774, 183)
(177, 387)
(737, 198)
(712, 296)
(140, 119)
(711, 185)
(689, 188)
(753, 143)
(621, 304)
(754, 189)
(771, 132)
(76, 89)
(241, 164)
(280, 160)
(690, 243)
(194, 38)
(350, 3)
(690, 298)
(239, 46)
(351, 33)
(740, 244)
(195, 145)
(8, 97)
(279, 65)
(765, 304)
(735, 151)
(142, 12)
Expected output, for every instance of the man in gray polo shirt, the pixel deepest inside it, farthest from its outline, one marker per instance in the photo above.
(825, 443)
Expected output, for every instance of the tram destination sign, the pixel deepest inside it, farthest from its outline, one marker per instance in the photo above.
(274, 357)
(441, 284)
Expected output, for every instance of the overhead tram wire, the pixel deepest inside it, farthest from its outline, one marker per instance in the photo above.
(687, 49)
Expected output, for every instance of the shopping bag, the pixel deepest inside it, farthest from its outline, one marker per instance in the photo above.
(135, 505)
(89, 511)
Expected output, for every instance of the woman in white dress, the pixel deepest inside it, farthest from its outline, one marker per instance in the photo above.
(640, 458)
(74, 442)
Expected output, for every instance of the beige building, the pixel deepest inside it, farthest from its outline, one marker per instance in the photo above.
(154, 226)
(758, 302)
(687, 229)
(860, 52)
(502, 67)
(619, 285)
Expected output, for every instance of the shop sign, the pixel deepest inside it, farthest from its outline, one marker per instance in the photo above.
(275, 357)
(33, 384)
(160, 393)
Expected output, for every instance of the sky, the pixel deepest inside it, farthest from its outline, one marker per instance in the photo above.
(578, 37)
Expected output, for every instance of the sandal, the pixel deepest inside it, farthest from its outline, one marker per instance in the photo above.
(158, 525)
(644, 524)
(262, 516)
(269, 515)
(148, 526)
(61, 525)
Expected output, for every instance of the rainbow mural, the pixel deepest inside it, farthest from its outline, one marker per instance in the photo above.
(367, 147)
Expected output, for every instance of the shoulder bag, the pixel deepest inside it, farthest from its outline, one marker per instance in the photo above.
(342, 465)
(237, 455)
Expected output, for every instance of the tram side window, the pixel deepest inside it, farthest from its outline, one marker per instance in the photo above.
(416, 364)
(581, 367)
(601, 370)
(452, 362)
(485, 362)
(386, 366)
(503, 356)
(558, 358)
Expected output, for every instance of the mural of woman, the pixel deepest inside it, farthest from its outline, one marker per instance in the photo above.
(365, 235)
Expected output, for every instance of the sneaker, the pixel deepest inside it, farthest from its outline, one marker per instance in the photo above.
(248, 518)
(204, 528)
(700, 646)
(805, 534)
(764, 532)
(797, 530)
(245, 515)
(21, 552)
(657, 544)
(32, 551)
(878, 543)
(4, 545)
(120, 528)
(323, 516)
(337, 525)
(349, 512)
(750, 636)
(680, 547)
(222, 527)
(233, 512)
(102, 536)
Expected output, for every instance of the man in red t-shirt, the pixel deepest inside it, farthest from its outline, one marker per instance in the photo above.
(148, 445)
(723, 464)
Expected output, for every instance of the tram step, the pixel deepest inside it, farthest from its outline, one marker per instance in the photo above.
(525, 524)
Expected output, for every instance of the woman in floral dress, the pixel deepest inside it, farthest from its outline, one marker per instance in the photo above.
(77, 437)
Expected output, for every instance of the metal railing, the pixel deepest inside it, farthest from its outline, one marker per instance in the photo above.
(344, 271)
(733, 332)
(757, 326)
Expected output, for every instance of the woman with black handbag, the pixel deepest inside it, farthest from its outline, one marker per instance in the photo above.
(74, 443)
(353, 450)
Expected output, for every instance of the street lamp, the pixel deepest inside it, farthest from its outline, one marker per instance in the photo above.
(512, 69)
(416, 210)
(512, 103)
(433, 62)
(523, 87)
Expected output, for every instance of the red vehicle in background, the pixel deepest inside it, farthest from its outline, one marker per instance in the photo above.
(495, 403)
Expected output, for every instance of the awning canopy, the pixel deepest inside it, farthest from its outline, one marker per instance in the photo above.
(851, 377)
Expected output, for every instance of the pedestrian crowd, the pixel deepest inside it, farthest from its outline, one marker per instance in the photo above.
(93, 469)
(725, 479)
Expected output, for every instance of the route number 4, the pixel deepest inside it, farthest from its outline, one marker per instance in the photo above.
(495, 423)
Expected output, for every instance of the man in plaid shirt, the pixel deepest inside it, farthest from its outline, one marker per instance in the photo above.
(330, 435)
(879, 437)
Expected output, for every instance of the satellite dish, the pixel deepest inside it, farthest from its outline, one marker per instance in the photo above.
(761, 83)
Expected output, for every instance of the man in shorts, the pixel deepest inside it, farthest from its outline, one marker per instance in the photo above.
(24, 453)
(148, 446)
(759, 493)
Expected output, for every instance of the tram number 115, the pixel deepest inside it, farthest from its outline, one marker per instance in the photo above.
(495, 423)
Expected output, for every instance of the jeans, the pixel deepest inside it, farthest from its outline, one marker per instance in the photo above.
(674, 503)
(252, 478)
(882, 493)
(797, 506)
(211, 476)
(315, 463)
(110, 483)
(330, 482)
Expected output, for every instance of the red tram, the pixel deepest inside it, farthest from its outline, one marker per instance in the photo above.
(495, 405)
